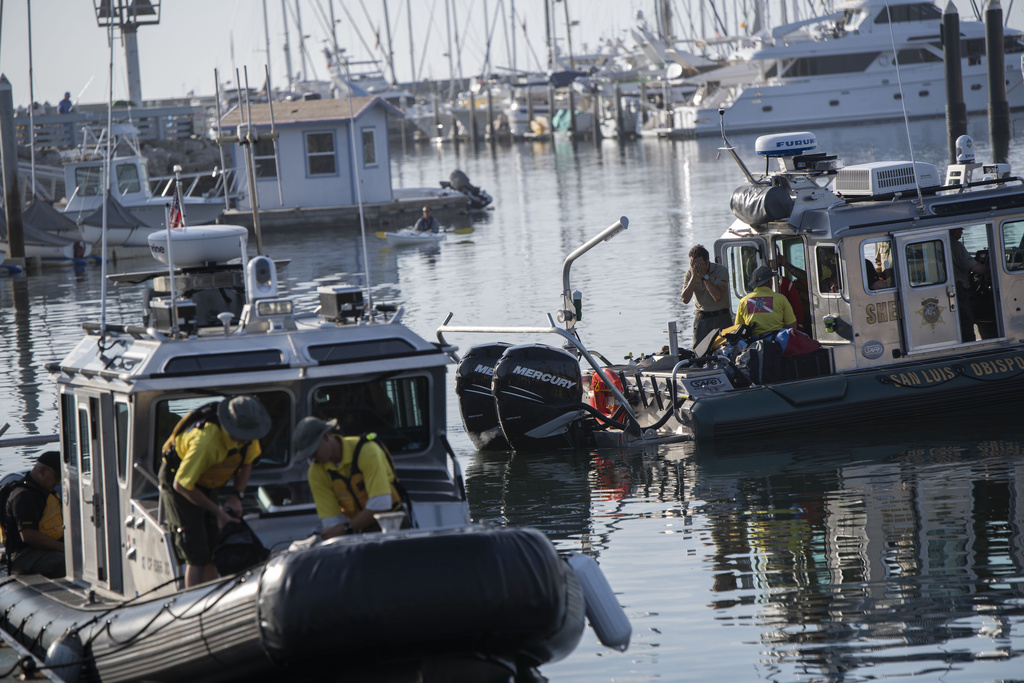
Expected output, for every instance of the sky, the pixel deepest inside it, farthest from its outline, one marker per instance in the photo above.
(178, 56)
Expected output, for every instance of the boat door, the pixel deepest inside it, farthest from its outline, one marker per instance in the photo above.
(927, 290)
(741, 257)
(97, 488)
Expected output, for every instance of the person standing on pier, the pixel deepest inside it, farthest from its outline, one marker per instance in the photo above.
(709, 283)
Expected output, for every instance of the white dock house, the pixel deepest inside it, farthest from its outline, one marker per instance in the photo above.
(312, 179)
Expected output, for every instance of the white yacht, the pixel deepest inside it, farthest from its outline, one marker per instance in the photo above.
(839, 69)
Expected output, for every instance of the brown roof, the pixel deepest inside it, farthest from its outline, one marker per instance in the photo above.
(307, 110)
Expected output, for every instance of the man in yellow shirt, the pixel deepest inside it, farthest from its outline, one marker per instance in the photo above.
(352, 478)
(205, 451)
(765, 309)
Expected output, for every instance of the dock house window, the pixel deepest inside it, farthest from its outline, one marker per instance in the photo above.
(320, 158)
(1013, 244)
(274, 447)
(396, 409)
(369, 148)
(263, 155)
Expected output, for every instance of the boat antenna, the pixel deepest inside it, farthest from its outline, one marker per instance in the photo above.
(106, 188)
(250, 163)
(359, 192)
(903, 104)
(732, 150)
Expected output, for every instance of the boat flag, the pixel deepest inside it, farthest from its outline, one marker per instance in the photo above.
(175, 220)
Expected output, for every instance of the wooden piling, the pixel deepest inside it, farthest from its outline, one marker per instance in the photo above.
(9, 167)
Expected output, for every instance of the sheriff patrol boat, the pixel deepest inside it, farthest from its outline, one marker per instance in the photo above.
(446, 599)
(869, 255)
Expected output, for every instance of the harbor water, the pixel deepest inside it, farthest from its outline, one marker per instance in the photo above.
(885, 551)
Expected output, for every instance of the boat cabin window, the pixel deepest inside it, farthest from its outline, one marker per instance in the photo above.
(263, 156)
(128, 178)
(85, 440)
(740, 259)
(121, 439)
(903, 13)
(926, 263)
(274, 447)
(1013, 245)
(88, 181)
(827, 269)
(396, 409)
(824, 65)
(792, 266)
(320, 158)
(67, 419)
(919, 55)
(878, 272)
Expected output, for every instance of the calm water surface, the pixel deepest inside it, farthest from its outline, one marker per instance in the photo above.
(879, 553)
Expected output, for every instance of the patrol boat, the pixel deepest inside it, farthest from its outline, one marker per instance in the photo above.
(870, 254)
(444, 600)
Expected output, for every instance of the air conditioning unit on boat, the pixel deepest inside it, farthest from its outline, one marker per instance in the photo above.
(884, 177)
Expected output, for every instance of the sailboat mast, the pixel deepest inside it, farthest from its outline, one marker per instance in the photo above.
(412, 49)
(266, 39)
(287, 48)
(391, 50)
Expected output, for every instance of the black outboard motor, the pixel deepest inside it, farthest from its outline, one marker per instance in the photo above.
(473, 387)
(478, 199)
(538, 391)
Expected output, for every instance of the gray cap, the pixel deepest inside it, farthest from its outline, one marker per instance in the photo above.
(243, 418)
(760, 276)
(308, 434)
(51, 459)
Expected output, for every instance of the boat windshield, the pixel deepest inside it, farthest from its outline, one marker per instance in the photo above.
(396, 409)
(274, 447)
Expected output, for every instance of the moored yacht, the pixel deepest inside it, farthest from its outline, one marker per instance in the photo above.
(840, 68)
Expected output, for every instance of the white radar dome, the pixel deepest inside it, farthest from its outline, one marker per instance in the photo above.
(785, 144)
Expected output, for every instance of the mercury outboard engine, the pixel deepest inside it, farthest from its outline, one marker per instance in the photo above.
(537, 390)
(473, 387)
(478, 199)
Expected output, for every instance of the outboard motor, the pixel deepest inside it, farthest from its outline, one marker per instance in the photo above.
(538, 390)
(478, 199)
(473, 387)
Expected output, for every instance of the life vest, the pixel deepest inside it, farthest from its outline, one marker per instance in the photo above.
(350, 491)
(217, 475)
(601, 396)
(51, 523)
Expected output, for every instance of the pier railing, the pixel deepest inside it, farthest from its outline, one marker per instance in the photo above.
(153, 123)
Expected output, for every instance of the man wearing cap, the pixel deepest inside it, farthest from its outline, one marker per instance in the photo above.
(32, 521)
(65, 106)
(708, 283)
(763, 308)
(205, 451)
(351, 477)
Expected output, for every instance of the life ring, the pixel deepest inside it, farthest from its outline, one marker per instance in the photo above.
(601, 397)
